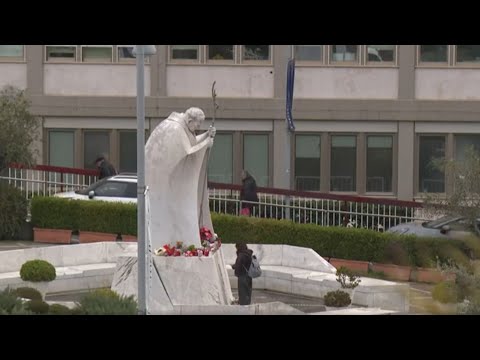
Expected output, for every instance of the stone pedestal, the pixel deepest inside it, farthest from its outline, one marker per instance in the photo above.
(176, 281)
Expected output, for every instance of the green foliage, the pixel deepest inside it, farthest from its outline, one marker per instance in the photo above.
(345, 243)
(28, 293)
(358, 244)
(37, 306)
(18, 127)
(59, 309)
(445, 292)
(9, 302)
(337, 298)
(13, 211)
(347, 279)
(78, 215)
(37, 270)
(55, 213)
(464, 197)
(106, 302)
(338, 242)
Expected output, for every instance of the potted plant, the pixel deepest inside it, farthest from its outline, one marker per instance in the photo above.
(37, 274)
(342, 298)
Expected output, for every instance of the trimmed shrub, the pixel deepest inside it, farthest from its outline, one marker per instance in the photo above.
(28, 293)
(37, 306)
(54, 213)
(344, 243)
(106, 302)
(59, 309)
(445, 292)
(13, 211)
(37, 270)
(337, 242)
(79, 215)
(337, 298)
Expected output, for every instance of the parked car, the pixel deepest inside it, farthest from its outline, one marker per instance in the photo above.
(447, 227)
(121, 188)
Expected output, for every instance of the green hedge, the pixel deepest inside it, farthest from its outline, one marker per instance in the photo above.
(346, 243)
(79, 215)
(338, 242)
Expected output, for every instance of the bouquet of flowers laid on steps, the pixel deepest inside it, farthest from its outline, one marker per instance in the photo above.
(210, 244)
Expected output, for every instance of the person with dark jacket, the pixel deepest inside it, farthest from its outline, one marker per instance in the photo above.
(248, 192)
(242, 263)
(105, 167)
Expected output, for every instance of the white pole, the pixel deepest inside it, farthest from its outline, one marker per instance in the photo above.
(142, 289)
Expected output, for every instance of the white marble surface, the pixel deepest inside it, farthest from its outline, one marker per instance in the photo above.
(357, 311)
(272, 308)
(283, 255)
(191, 280)
(175, 161)
(306, 259)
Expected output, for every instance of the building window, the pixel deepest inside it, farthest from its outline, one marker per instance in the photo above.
(11, 52)
(431, 179)
(343, 166)
(463, 142)
(308, 53)
(128, 152)
(61, 53)
(377, 54)
(220, 164)
(307, 162)
(125, 53)
(61, 152)
(255, 157)
(344, 53)
(433, 53)
(184, 52)
(256, 53)
(379, 163)
(61, 148)
(468, 53)
(95, 143)
(97, 53)
(221, 52)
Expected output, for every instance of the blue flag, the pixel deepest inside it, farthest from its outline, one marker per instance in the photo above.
(290, 85)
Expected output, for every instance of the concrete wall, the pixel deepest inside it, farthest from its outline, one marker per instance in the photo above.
(13, 74)
(447, 84)
(93, 80)
(232, 81)
(346, 83)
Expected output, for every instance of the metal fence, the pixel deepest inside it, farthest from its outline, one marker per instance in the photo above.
(301, 207)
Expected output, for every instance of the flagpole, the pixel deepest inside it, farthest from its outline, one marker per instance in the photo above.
(289, 129)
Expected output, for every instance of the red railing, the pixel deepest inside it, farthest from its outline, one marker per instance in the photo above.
(299, 206)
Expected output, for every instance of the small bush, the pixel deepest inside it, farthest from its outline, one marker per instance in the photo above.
(347, 279)
(37, 306)
(13, 211)
(337, 298)
(9, 302)
(28, 293)
(445, 292)
(58, 309)
(106, 302)
(37, 270)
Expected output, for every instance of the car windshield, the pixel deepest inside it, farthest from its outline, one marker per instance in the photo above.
(435, 224)
(91, 187)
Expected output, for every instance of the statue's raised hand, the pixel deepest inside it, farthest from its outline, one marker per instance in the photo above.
(212, 131)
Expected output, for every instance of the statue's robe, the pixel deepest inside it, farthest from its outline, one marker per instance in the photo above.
(176, 200)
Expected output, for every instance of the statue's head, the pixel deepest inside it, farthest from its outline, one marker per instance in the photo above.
(194, 118)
